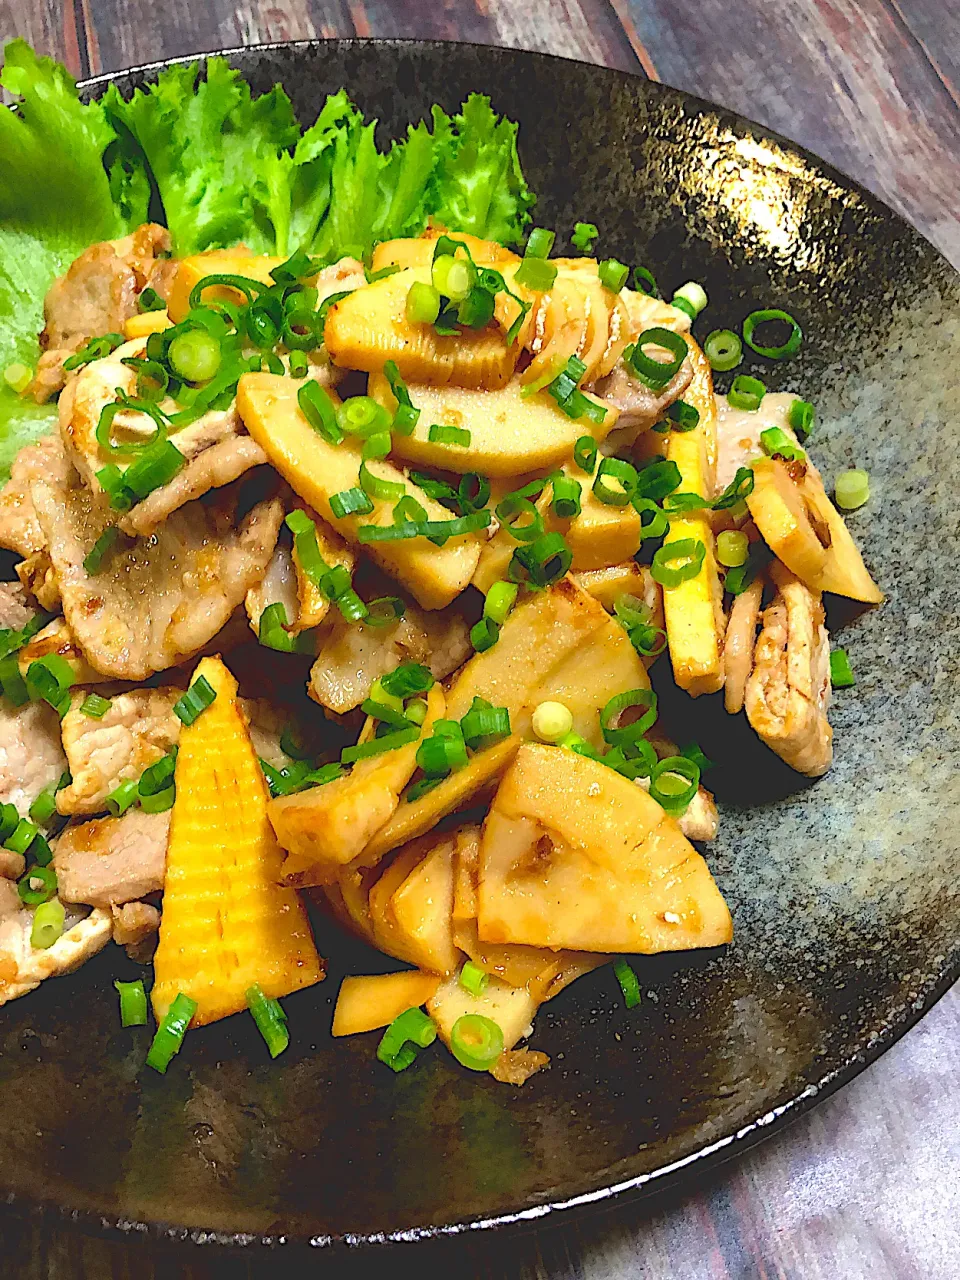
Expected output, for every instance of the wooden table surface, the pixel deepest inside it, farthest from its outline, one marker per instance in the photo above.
(866, 1187)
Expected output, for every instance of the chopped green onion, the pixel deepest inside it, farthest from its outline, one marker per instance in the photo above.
(378, 746)
(420, 788)
(383, 273)
(126, 404)
(473, 492)
(476, 309)
(318, 409)
(299, 330)
(841, 673)
(198, 697)
(9, 821)
(620, 735)
(509, 511)
(476, 1042)
(567, 493)
(150, 300)
(692, 752)
(39, 885)
(155, 468)
(552, 721)
(270, 1019)
(441, 753)
(12, 682)
(499, 601)
(45, 805)
(23, 838)
(384, 611)
(801, 417)
(443, 434)
(406, 416)
(673, 784)
(362, 416)
(637, 760)
(732, 548)
(584, 234)
(110, 479)
(613, 274)
(195, 355)
(473, 979)
(423, 303)
(539, 243)
(483, 725)
(375, 486)
(133, 1003)
(676, 562)
(299, 266)
(453, 277)
(408, 679)
(51, 678)
(169, 1038)
(746, 393)
(536, 275)
(615, 482)
(544, 561)
(350, 502)
(47, 924)
(299, 364)
(723, 349)
(95, 349)
(122, 797)
(778, 444)
(484, 634)
(249, 287)
(157, 777)
(384, 707)
(306, 546)
(407, 1034)
(788, 348)
(739, 578)
(676, 503)
(416, 710)
(852, 489)
(738, 490)
(272, 633)
(644, 282)
(629, 983)
(93, 560)
(18, 376)
(653, 372)
(159, 803)
(695, 297)
(565, 389)
(585, 454)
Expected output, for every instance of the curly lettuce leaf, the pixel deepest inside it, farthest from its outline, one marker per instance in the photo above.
(56, 198)
(207, 143)
(478, 185)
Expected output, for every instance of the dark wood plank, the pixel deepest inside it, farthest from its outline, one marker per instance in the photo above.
(121, 34)
(935, 25)
(847, 78)
(49, 25)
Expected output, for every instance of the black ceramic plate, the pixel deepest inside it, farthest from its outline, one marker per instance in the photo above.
(844, 893)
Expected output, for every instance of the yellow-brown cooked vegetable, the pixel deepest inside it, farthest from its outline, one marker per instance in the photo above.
(575, 855)
(234, 262)
(509, 435)
(326, 827)
(694, 609)
(419, 252)
(374, 1000)
(370, 326)
(411, 905)
(226, 923)
(317, 470)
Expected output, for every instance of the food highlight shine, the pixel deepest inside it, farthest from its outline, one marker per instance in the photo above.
(347, 519)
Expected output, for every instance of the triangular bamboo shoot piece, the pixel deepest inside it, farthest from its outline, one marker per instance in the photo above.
(575, 856)
(227, 923)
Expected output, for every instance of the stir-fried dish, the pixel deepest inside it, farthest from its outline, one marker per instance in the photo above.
(347, 524)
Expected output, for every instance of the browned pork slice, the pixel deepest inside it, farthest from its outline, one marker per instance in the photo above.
(352, 655)
(135, 926)
(160, 600)
(31, 757)
(96, 294)
(788, 691)
(22, 966)
(19, 527)
(138, 730)
(640, 408)
(109, 861)
(14, 610)
(213, 468)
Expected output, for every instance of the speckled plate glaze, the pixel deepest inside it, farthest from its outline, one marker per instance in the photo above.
(844, 893)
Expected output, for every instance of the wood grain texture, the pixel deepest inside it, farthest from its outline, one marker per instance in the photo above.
(866, 1187)
(856, 81)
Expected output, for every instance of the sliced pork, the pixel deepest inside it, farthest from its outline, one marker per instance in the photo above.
(109, 861)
